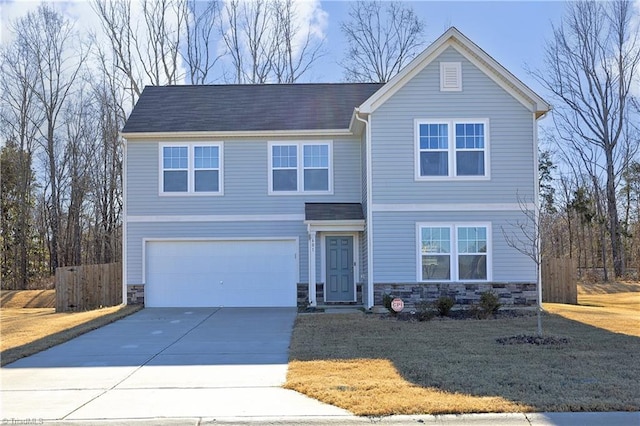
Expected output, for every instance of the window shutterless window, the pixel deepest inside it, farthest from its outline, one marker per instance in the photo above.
(451, 149)
(454, 252)
(194, 169)
(303, 167)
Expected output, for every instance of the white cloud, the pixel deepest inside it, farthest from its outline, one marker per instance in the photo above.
(310, 20)
(9, 12)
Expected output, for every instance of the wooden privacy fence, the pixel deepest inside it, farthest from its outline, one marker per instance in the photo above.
(80, 288)
(559, 282)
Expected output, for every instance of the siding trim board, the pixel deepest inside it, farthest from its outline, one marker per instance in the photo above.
(217, 218)
(181, 136)
(445, 207)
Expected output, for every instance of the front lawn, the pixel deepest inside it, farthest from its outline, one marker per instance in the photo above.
(374, 366)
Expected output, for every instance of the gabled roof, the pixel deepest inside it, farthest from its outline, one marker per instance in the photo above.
(455, 39)
(247, 108)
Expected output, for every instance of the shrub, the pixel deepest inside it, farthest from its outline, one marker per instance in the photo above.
(444, 305)
(489, 304)
(424, 311)
(386, 302)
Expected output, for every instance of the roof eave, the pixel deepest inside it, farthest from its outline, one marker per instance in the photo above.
(236, 134)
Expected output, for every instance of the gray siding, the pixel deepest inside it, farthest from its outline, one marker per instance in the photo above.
(245, 182)
(137, 231)
(395, 246)
(511, 135)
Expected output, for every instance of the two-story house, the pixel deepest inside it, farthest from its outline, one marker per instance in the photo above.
(278, 195)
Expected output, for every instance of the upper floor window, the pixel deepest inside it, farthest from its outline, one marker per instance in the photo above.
(299, 167)
(454, 252)
(191, 169)
(451, 149)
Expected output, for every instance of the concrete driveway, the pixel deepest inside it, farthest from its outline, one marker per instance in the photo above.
(164, 363)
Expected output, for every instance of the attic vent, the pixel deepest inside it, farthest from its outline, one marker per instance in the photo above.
(450, 77)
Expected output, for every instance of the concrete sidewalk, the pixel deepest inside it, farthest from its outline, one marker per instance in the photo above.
(508, 419)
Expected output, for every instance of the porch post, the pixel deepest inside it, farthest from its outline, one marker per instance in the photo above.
(312, 268)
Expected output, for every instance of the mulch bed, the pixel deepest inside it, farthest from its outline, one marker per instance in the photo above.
(458, 314)
(526, 339)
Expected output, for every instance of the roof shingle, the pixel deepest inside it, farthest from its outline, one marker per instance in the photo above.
(333, 211)
(247, 107)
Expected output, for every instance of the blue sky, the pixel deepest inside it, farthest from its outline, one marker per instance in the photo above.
(512, 32)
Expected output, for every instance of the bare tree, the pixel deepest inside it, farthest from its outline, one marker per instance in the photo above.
(269, 41)
(380, 40)
(53, 47)
(145, 50)
(19, 122)
(525, 236)
(249, 36)
(297, 47)
(591, 63)
(105, 179)
(79, 133)
(201, 21)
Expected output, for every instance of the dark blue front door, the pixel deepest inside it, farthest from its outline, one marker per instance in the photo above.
(339, 269)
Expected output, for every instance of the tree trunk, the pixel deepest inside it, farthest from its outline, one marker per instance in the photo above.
(614, 221)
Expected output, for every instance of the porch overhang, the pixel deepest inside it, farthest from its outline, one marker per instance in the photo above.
(334, 217)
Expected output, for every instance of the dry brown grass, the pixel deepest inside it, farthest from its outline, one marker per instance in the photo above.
(611, 306)
(28, 299)
(25, 331)
(372, 366)
(585, 288)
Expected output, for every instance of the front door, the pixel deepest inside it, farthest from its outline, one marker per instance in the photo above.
(339, 286)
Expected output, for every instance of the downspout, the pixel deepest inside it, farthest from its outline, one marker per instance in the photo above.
(124, 221)
(367, 142)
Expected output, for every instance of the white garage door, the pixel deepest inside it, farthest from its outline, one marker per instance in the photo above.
(221, 273)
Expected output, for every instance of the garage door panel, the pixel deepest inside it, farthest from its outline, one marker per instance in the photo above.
(221, 273)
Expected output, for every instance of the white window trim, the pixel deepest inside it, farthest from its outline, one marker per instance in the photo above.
(191, 170)
(453, 226)
(458, 69)
(300, 167)
(451, 123)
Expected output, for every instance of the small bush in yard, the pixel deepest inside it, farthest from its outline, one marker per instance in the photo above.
(444, 305)
(386, 302)
(424, 311)
(488, 306)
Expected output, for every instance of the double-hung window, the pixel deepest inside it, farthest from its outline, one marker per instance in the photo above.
(454, 252)
(451, 149)
(303, 167)
(194, 169)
